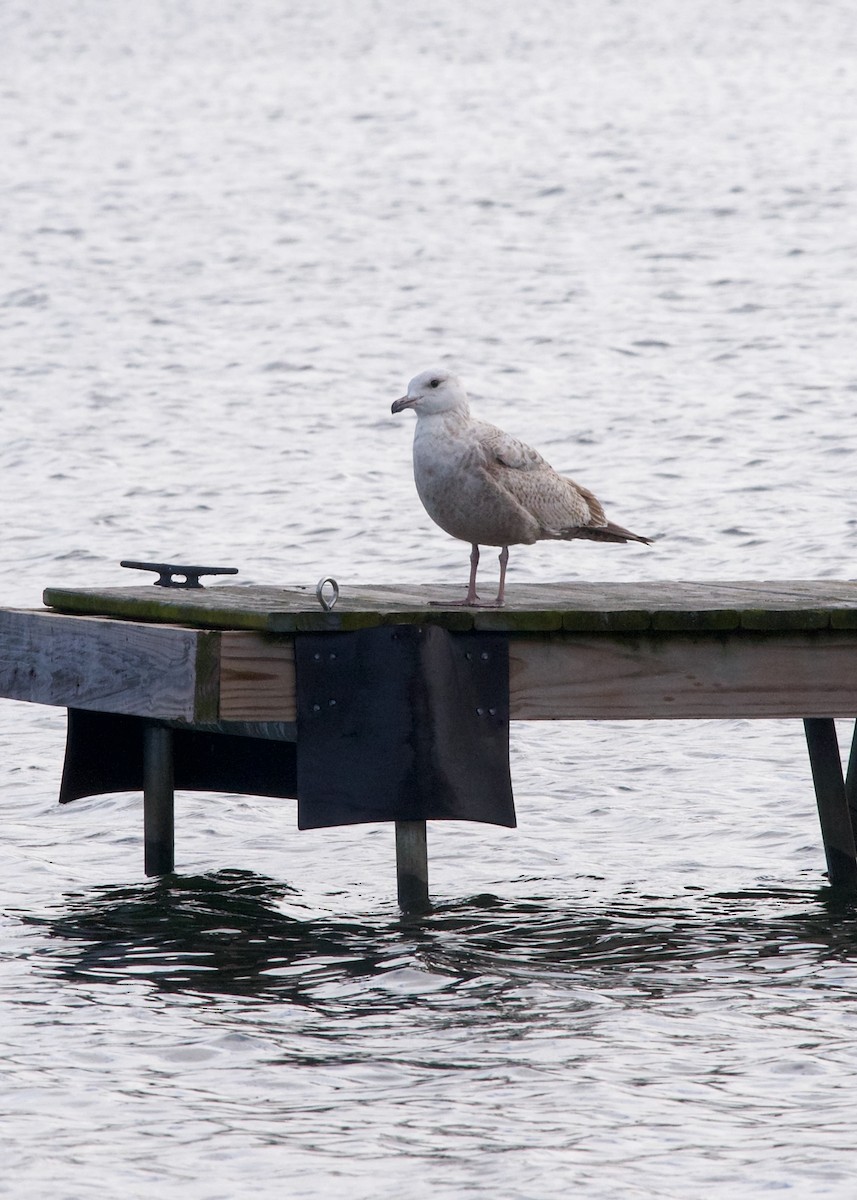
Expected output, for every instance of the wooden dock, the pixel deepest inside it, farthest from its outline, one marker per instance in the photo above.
(301, 686)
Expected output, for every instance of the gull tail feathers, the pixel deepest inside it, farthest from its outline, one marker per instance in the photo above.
(603, 533)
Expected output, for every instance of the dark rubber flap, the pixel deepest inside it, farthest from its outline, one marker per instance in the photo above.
(104, 753)
(403, 723)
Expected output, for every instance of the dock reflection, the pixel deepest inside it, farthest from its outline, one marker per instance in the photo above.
(235, 933)
(221, 934)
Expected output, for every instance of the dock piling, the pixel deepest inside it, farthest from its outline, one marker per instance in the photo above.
(836, 828)
(412, 866)
(851, 779)
(158, 800)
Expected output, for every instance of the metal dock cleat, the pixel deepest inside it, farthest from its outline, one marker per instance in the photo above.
(167, 572)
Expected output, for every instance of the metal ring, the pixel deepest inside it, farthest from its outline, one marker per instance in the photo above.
(326, 604)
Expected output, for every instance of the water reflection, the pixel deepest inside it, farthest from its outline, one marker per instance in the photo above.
(649, 945)
(223, 933)
(235, 933)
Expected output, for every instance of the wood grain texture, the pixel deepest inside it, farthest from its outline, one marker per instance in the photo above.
(667, 606)
(107, 665)
(614, 677)
(257, 678)
(661, 676)
(189, 675)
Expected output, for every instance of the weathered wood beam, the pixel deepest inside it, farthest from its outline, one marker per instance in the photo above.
(610, 677)
(607, 676)
(193, 675)
(257, 677)
(158, 800)
(584, 607)
(109, 666)
(836, 829)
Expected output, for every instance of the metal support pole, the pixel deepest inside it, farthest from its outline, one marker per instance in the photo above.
(837, 831)
(158, 807)
(412, 866)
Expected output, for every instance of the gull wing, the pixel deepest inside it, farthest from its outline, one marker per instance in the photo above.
(557, 504)
(501, 449)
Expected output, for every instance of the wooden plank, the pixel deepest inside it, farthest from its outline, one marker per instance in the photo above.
(568, 677)
(677, 606)
(640, 677)
(172, 673)
(836, 828)
(257, 677)
(108, 665)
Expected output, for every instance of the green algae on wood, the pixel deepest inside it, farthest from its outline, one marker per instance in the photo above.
(664, 606)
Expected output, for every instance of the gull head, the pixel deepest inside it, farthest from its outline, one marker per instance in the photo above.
(434, 391)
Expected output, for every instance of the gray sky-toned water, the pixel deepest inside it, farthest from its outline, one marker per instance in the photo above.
(229, 235)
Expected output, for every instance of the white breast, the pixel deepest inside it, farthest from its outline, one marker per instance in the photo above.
(458, 493)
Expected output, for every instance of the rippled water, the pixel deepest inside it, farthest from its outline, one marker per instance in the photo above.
(229, 235)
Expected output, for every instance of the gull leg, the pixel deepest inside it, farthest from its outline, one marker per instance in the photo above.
(471, 599)
(471, 596)
(501, 590)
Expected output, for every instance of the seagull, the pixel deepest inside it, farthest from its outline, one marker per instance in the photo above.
(485, 487)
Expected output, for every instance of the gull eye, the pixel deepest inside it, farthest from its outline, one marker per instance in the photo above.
(434, 383)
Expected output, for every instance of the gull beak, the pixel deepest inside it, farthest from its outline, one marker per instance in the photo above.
(402, 402)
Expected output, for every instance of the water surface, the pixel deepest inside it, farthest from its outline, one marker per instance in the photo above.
(229, 236)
